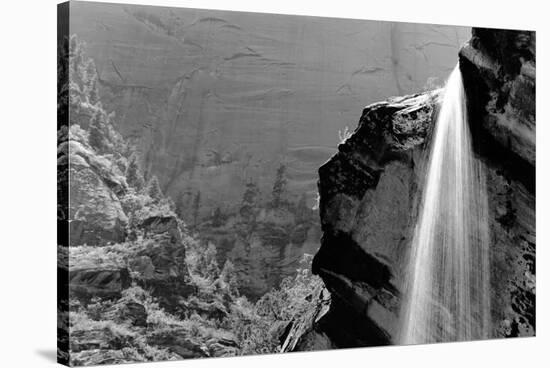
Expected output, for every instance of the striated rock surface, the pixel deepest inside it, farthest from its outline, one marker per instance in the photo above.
(369, 197)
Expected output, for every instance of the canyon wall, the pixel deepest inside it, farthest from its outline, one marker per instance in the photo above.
(217, 101)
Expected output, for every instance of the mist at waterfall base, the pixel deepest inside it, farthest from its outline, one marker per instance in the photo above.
(447, 287)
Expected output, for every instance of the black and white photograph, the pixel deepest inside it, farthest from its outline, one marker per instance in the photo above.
(244, 184)
(235, 183)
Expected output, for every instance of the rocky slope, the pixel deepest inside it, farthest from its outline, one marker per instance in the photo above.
(134, 284)
(368, 198)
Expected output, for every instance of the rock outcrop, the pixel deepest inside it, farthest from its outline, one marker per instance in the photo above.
(499, 70)
(96, 216)
(156, 263)
(367, 201)
(369, 197)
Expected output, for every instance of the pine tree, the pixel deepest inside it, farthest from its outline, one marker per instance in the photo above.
(249, 200)
(302, 210)
(90, 82)
(217, 217)
(76, 57)
(134, 178)
(279, 186)
(153, 189)
(229, 277)
(180, 205)
(95, 132)
(212, 270)
(196, 208)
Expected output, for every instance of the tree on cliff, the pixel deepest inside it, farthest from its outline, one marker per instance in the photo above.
(92, 91)
(279, 186)
(208, 263)
(96, 136)
(229, 278)
(153, 189)
(302, 211)
(217, 217)
(196, 208)
(180, 204)
(134, 177)
(249, 200)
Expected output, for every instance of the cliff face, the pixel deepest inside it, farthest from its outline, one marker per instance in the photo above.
(369, 197)
(217, 100)
(499, 70)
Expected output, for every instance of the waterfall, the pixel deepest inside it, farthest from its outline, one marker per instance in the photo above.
(447, 291)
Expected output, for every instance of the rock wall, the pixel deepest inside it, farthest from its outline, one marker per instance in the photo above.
(217, 100)
(499, 69)
(369, 197)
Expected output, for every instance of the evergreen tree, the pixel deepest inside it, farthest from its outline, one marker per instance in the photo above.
(153, 189)
(76, 57)
(196, 208)
(92, 91)
(212, 270)
(134, 178)
(279, 186)
(180, 205)
(229, 277)
(96, 137)
(249, 200)
(217, 217)
(302, 210)
(250, 194)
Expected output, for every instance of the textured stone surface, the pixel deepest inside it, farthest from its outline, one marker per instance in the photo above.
(95, 213)
(500, 72)
(499, 69)
(102, 281)
(367, 201)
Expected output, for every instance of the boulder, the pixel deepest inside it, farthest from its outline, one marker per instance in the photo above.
(178, 341)
(102, 338)
(223, 346)
(367, 205)
(161, 266)
(101, 281)
(96, 216)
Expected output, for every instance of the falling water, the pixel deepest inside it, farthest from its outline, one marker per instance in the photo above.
(447, 295)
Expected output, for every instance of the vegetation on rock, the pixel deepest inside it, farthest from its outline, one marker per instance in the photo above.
(156, 292)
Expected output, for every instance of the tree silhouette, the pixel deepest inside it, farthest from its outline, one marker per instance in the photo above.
(153, 189)
(96, 136)
(302, 210)
(217, 217)
(134, 178)
(279, 186)
(180, 205)
(249, 200)
(196, 208)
